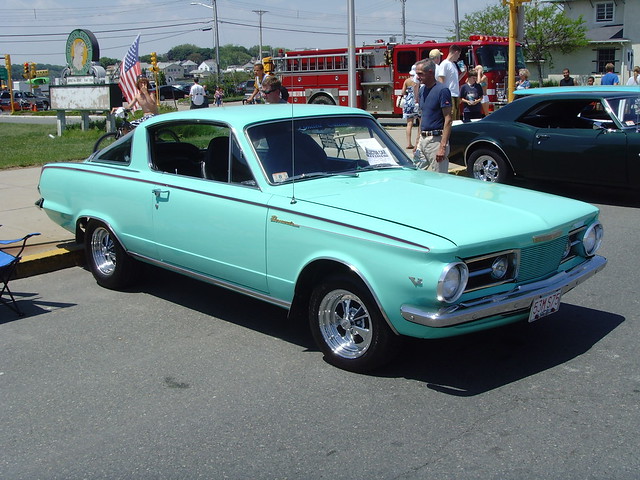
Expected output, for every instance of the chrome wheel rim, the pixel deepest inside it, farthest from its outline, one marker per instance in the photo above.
(103, 251)
(485, 168)
(345, 324)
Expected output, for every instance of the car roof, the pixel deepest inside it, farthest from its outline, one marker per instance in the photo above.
(241, 116)
(578, 89)
(523, 103)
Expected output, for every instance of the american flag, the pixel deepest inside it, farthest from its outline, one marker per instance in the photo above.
(129, 71)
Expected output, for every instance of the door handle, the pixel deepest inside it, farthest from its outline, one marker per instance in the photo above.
(541, 137)
(161, 196)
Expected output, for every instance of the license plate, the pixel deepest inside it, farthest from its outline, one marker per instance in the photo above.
(544, 306)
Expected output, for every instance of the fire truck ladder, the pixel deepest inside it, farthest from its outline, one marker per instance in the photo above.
(315, 63)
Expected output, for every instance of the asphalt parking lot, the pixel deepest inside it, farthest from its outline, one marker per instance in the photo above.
(178, 379)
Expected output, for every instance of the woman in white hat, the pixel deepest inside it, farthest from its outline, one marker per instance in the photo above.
(408, 103)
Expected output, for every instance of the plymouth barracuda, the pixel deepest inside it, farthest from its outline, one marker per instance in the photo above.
(317, 210)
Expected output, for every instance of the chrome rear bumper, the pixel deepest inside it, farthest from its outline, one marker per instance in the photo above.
(517, 300)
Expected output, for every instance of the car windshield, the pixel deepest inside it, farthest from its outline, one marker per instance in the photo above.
(324, 146)
(626, 109)
(494, 57)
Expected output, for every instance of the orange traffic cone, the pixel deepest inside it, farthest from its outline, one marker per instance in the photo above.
(34, 108)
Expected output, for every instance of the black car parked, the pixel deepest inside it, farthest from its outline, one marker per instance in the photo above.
(169, 92)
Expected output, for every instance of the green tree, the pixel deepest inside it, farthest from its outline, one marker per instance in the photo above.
(546, 29)
(106, 61)
(492, 20)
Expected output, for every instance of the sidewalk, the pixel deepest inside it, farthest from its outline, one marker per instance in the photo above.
(55, 248)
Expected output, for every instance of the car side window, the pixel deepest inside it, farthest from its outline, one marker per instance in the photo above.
(240, 171)
(119, 152)
(581, 113)
(201, 150)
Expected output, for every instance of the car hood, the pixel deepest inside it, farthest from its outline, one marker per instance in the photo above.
(462, 210)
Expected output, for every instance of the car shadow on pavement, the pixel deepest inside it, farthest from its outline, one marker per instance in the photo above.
(477, 363)
(224, 305)
(464, 366)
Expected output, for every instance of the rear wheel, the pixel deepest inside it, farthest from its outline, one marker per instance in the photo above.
(105, 140)
(111, 266)
(348, 326)
(488, 166)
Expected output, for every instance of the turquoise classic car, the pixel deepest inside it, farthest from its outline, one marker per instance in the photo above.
(315, 209)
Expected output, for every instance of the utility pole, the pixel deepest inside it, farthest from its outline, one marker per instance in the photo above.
(404, 22)
(351, 54)
(260, 13)
(216, 42)
(513, 31)
(456, 19)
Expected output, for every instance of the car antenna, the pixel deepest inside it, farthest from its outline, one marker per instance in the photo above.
(293, 161)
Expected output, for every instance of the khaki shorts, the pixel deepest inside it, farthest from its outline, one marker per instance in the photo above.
(429, 147)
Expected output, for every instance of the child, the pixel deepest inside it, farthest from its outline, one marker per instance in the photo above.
(471, 97)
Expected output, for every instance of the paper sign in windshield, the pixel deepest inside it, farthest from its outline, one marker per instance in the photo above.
(376, 153)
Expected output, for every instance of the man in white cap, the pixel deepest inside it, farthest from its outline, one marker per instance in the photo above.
(435, 55)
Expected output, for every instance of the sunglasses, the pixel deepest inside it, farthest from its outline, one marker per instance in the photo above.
(266, 92)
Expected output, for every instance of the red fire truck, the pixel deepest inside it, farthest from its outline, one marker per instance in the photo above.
(320, 76)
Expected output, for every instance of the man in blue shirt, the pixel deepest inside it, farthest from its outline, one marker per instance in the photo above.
(609, 78)
(435, 122)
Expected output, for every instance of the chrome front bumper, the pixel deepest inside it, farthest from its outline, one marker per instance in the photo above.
(517, 300)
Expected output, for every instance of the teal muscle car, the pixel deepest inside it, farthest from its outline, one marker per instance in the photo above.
(315, 209)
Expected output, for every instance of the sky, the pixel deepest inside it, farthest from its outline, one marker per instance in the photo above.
(37, 30)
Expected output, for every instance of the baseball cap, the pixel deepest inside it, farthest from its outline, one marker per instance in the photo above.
(435, 53)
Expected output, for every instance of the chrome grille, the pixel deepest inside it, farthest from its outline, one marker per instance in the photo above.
(541, 260)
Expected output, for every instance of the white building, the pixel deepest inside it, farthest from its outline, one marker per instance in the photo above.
(613, 31)
(208, 67)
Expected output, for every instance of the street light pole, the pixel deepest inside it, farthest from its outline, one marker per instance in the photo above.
(216, 42)
(260, 12)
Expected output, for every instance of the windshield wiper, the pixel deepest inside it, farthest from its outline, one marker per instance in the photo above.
(380, 166)
(304, 176)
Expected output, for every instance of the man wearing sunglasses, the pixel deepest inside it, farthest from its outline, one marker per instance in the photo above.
(271, 90)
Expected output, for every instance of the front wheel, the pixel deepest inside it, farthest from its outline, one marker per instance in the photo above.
(111, 266)
(488, 166)
(348, 326)
(105, 140)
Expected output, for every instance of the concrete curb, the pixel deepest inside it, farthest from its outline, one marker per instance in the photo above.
(68, 255)
(458, 170)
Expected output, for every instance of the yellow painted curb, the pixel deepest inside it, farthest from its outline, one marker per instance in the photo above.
(50, 261)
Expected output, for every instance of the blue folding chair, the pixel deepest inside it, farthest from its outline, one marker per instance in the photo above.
(8, 264)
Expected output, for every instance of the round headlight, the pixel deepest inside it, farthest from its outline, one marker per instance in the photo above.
(452, 282)
(592, 238)
(499, 267)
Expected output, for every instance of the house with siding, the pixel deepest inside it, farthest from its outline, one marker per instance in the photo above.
(613, 32)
